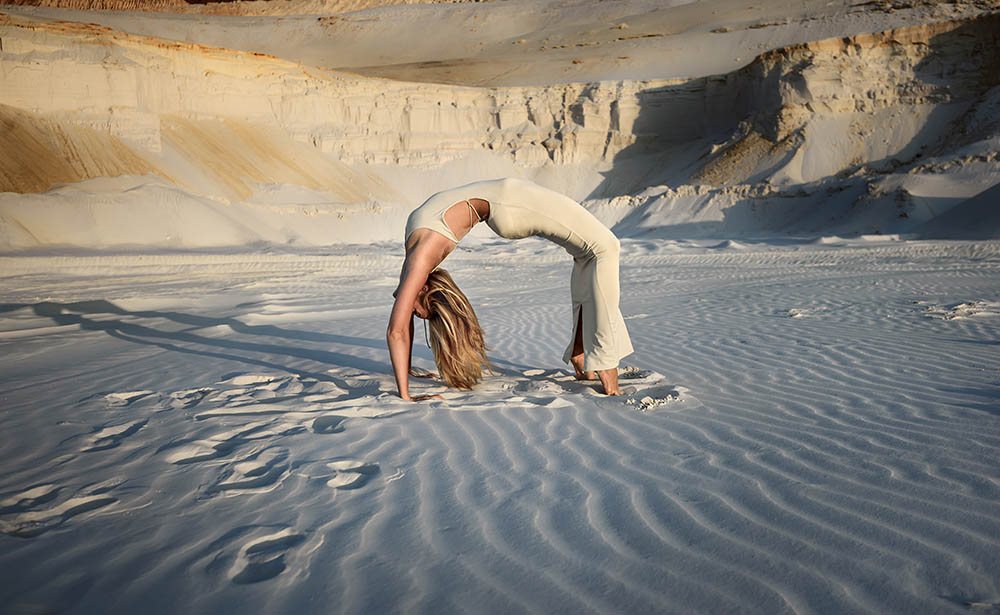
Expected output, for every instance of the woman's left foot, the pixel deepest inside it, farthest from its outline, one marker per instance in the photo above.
(577, 362)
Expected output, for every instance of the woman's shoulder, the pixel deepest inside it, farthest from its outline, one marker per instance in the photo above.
(427, 247)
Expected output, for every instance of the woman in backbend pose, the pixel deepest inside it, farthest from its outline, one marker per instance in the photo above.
(514, 209)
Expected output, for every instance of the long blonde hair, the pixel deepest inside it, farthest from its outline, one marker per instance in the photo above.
(455, 335)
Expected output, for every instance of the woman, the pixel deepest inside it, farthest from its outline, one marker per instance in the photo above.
(514, 209)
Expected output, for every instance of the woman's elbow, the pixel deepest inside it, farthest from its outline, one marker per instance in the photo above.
(393, 334)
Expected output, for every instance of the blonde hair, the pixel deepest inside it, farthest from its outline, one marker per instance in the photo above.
(455, 335)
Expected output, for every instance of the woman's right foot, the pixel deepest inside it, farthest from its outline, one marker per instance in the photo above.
(609, 379)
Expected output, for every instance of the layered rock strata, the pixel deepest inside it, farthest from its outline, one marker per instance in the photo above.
(866, 103)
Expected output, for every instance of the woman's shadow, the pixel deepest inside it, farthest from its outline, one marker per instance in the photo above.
(256, 345)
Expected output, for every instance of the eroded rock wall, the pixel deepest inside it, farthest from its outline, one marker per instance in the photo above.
(793, 115)
(126, 84)
(882, 99)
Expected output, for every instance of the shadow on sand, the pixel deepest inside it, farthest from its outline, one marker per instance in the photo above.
(267, 340)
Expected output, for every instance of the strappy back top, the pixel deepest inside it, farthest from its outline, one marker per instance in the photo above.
(430, 215)
(518, 208)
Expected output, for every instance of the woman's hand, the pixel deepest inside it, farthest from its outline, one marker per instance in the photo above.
(416, 372)
(424, 397)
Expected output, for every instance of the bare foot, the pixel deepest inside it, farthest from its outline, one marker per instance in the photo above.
(609, 378)
(577, 361)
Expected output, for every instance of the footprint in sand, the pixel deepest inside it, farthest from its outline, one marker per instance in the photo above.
(351, 473)
(633, 376)
(21, 514)
(364, 383)
(109, 437)
(260, 394)
(264, 558)
(645, 390)
(250, 379)
(670, 397)
(554, 380)
(261, 471)
(189, 398)
(968, 309)
(343, 474)
(296, 396)
(31, 498)
(119, 400)
(329, 423)
(232, 396)
(224, 442)
(549, 401)
(538, 386)
(655, 397)
(539, 381)
(252, 388)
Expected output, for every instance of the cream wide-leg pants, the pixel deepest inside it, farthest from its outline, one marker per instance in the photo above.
(594, 288)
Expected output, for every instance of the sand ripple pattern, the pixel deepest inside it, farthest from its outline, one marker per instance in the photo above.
(806, 429)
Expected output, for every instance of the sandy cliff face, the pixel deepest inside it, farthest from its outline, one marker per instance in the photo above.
(838, 116)
(130, 86)
(844, 93)
(876, 133)
(878, 100)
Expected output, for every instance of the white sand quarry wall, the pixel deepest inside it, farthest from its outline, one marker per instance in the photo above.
(125, 85)
(834, 116)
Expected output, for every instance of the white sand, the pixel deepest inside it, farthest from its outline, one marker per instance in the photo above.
(202, 433)
(198, 244)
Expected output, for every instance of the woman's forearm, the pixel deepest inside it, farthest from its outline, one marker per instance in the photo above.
(399, 354)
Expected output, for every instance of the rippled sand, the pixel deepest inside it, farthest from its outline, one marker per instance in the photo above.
(807, 427)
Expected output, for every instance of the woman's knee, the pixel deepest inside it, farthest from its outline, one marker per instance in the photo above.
(608, 245)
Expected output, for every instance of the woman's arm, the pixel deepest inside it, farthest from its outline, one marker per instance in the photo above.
(399, 334)
(399, 353)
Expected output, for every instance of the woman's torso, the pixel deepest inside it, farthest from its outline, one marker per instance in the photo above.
(518, 208)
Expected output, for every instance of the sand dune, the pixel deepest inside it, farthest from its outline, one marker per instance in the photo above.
(49, 151)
